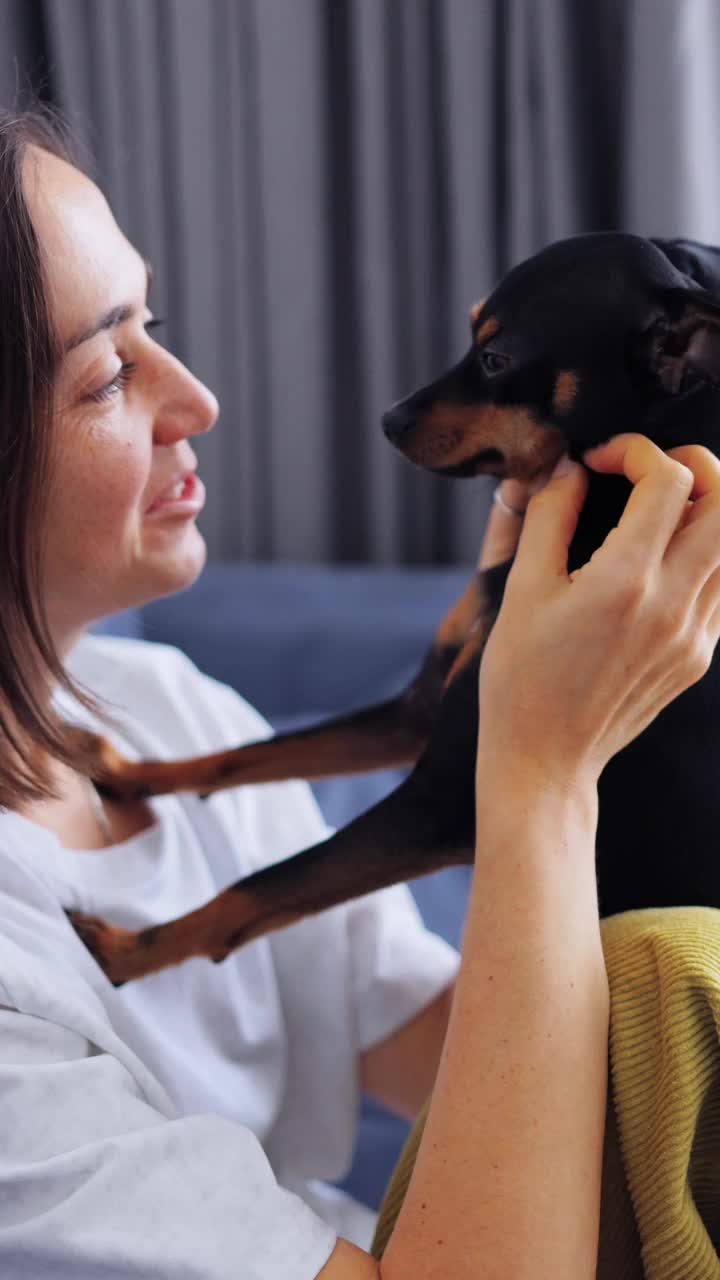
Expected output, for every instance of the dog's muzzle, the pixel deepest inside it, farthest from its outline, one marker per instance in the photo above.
(397, 422)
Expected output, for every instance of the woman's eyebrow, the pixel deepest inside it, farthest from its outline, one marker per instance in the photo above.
(118, 315)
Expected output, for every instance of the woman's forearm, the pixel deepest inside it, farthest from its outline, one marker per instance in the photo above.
(507, 1176)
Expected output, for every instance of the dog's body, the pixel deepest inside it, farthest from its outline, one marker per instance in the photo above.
(592, 337)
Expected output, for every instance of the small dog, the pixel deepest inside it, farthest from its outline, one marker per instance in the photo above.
(594, 336)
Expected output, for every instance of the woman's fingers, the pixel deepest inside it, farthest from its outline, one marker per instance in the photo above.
(681, 523)
(574, 671)
(550, 522)
(671, 522)
(695, 549)
(661, 488)
(707, 602)
(704, 466)
(502, 532)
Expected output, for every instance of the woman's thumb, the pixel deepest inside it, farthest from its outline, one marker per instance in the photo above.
(552, 516)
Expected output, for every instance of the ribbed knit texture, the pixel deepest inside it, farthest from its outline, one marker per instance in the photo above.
(660, 1210)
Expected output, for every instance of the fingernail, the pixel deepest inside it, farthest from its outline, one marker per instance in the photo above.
(563, 467)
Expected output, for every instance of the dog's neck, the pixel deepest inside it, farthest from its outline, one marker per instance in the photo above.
(605, 502)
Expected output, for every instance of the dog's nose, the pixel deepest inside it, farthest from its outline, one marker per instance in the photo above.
(398, 421)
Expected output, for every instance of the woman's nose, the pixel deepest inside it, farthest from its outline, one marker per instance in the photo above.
(187, 406)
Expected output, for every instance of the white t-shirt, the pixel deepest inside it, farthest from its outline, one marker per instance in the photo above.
(184, 1125)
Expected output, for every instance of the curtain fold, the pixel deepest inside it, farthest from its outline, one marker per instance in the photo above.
(326, 186)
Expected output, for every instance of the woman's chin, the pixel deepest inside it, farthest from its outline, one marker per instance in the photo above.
(150, 576)
(183, 570)
(174, 570)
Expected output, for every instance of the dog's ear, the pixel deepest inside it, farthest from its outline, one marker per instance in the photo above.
(698, 263)
(683, 345)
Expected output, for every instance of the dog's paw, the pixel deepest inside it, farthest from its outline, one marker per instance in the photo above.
(130, 784)
(115, 950)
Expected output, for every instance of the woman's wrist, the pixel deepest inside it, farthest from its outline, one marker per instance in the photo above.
(533, 779)
(554, 826)
(542, 819)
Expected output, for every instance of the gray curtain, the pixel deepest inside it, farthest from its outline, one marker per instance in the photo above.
(325, 187)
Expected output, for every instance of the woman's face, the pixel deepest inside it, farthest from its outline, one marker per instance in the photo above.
(125, 411)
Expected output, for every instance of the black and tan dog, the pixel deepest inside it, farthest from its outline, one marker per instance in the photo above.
(594, 336)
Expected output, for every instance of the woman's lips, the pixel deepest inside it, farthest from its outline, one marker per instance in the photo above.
(177, 501)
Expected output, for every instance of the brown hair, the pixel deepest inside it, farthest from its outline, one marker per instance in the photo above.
(30, 667)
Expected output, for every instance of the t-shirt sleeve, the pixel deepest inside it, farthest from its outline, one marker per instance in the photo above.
(397, 966)
(95, 1182)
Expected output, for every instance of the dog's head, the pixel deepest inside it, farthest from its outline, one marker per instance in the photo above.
(593, 336)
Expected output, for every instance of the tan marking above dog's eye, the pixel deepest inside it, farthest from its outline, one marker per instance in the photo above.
(475, 310)
(486, 331)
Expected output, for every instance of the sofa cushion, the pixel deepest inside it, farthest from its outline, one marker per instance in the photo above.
(307, 639)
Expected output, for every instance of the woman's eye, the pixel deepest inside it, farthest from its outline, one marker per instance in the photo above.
(121, 379)
(492, 362)
(124, 373)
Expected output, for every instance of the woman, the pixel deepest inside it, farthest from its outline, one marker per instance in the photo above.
(183, 1125)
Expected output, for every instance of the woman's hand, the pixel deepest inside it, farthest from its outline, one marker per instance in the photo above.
(578, 665)
(503, 529)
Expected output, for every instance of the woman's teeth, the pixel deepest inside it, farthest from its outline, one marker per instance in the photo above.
(188, 493)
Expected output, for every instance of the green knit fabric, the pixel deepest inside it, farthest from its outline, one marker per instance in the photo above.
(660, 1209)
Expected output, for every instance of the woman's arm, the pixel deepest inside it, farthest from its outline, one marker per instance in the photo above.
(507, 1179)
(400, 1071)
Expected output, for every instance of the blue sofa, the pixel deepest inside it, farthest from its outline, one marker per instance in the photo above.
(303, 643)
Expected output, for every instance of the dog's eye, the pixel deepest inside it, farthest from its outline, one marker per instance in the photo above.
(492, 363)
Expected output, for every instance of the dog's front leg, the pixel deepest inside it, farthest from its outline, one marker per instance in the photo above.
(388, 735)
(427, 823)
(384, 736)
(406, 835)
